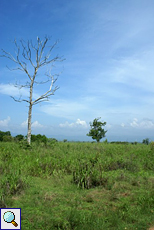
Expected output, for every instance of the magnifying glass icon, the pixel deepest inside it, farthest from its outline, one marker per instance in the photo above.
(9, 217)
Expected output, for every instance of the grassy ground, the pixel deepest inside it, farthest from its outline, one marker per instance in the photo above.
(79, 185)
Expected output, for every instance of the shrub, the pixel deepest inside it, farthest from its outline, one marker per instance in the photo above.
(24, 145)
(2, 134)
(7, 138)
(12, 183)
(145, 141)
(2, 203)
(19, 137)
(106, 141)
(39, 138)
(88, 175)
(152, 146)
(53, 139)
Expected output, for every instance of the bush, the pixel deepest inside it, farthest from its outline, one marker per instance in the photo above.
(39, 138)
(2, 134)
(19, 137)
(53, 139)
(146, 141)
(88, 175)
(2, 204)
(106, 141)
(24, 145)
(120, 142)
(12, 183)
(152, 146)
(7, 138)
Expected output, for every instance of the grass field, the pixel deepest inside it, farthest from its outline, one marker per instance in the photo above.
(79, 186)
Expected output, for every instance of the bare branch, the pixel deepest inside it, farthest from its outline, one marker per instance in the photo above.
(45, 95)
(9, 56)
(17, 60)
(45, 62)
(27, 85)
(41, 101)
(19, 99)
(49, 92)
(27, 49)
(42, 82)
(15, 99)
(43, 46)
(15, 69)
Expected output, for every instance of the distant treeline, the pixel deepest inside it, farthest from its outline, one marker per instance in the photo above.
(6, 137)
(124, 142)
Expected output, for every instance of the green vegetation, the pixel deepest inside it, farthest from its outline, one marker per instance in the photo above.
(96, 131)
(145, 141)
(89, 186)
(4, 134)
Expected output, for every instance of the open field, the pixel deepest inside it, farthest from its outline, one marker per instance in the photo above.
(79, 186)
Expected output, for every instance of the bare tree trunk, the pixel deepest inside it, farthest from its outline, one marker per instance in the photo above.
(29, 124)
(30, 115)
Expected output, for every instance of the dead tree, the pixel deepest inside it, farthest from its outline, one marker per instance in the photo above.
(35, 56)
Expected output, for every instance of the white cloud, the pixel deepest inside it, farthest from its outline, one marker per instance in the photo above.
(4, 123)
(35, 124)
(134, 123)
(64, 108)
(78, 123)
(24, 124)
(108, 126)
(11, 90)
(122, 125)
(82, 123)
(145, 123)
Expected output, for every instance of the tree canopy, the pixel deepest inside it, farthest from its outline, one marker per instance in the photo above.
(96, 131)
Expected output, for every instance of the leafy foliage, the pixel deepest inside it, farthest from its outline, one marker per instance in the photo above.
(96, 131)
(7, 138)
(39, 138)
(146, 141)
(152, 146)
(2, 134)
(19, 137)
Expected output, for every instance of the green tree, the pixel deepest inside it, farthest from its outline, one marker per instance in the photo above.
(19, 137)
(2, 134)
(146, 141)
(96, 131)
(7, 138)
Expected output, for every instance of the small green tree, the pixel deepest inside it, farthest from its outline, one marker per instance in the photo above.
(19, 137)
(96, 131)
(2, 134)
(7, 138)
(145, 141)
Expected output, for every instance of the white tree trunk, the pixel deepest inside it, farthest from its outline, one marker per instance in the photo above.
(30, 115)
(29, 124)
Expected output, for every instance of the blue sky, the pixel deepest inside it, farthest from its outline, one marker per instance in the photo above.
(108, 71)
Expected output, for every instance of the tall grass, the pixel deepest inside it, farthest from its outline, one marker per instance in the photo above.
(92, 186)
